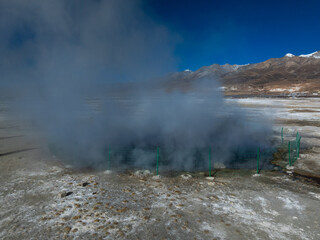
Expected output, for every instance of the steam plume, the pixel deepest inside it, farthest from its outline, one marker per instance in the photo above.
(64, 62)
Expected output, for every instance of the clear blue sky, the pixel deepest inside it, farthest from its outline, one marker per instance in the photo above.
(238, 32)
(202, 32)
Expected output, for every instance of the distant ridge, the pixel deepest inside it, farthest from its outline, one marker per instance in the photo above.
(286, 76)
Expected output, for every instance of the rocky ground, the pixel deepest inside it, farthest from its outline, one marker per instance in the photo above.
(42, 199)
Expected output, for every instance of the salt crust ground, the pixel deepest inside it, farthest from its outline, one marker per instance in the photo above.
(125, 206)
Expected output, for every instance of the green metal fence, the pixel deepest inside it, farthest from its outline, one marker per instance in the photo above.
(255, 157)
(293, 148)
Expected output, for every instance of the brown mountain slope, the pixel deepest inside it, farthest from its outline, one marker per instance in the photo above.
(298, 75)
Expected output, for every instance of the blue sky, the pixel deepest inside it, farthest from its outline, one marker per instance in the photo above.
(238, 32)
(120, 39)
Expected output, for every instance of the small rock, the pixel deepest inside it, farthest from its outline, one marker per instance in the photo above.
(77, 205)
(146, 217)
(186, 176)
(107, 172)
(55, 169)
(156, 177)
(142, 173)
(289, 167)
(256, 175)
(67, 229)
(63, 194)
(210, 178)
(85, 184)
(214, 198)
(121, 210)
(210, 183)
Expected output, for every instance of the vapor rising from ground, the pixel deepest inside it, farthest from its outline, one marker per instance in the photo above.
(57, 56)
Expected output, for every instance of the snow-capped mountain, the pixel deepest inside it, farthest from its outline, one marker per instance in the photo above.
(311, 55)
(288, 74)
(289, 55)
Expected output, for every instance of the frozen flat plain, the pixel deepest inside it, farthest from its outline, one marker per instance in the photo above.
(235, 205)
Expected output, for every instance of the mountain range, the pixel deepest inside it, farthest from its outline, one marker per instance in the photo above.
(289, 75)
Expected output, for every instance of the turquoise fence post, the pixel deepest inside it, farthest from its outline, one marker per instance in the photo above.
(157, 161)
(296, 156)
(258, 159)
(299, 146)
(209, 162)
(289, 154)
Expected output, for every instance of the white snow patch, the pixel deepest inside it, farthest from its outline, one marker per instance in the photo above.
(289, 55)
(236, 67)
(311, 55)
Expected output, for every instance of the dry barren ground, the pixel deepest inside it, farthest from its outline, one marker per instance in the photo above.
(41, 199)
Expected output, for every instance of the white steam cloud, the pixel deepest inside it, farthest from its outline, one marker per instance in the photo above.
(68, 65)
